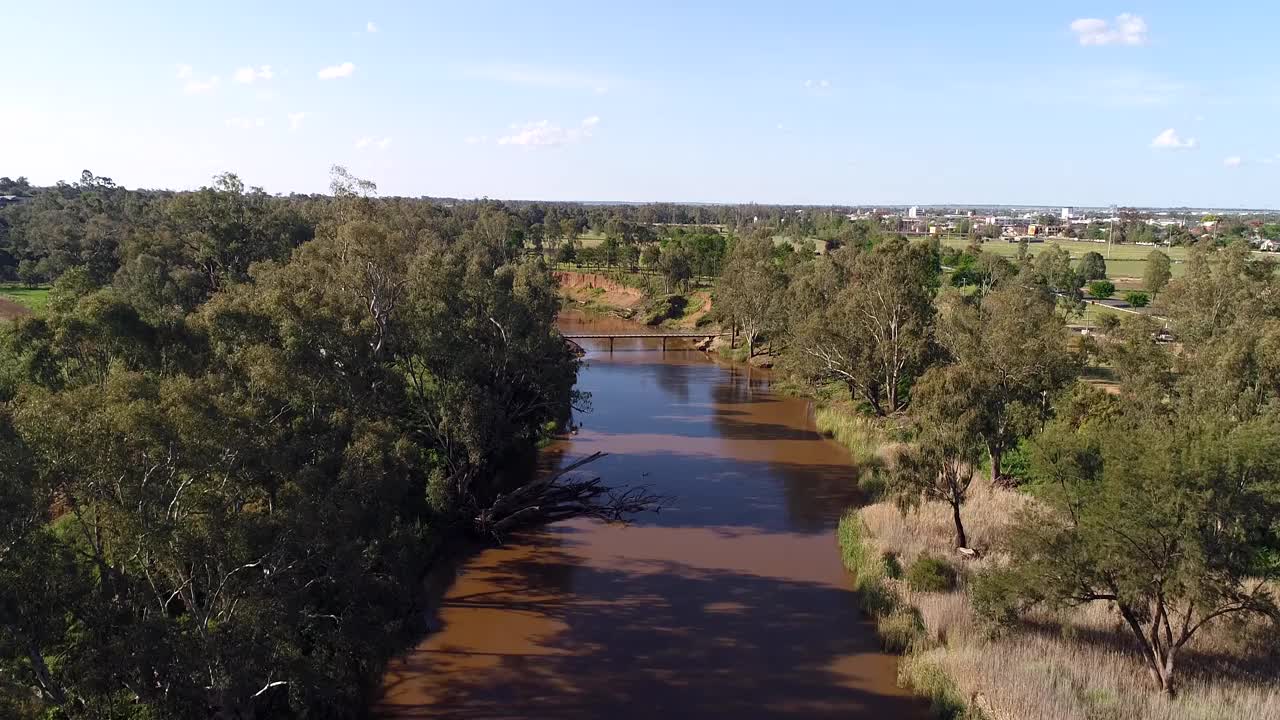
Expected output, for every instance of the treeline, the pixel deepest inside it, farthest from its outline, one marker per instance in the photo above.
(1161, 500)
(95, 223)
(241, 432)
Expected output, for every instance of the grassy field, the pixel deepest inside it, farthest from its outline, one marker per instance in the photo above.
(1075, 663)
(590, 239)
(32, 297)
(1123, 261)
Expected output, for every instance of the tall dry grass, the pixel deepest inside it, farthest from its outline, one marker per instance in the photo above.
(1074, 665)
(866, 437)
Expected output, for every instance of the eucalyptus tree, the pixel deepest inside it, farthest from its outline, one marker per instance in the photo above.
(868, 321)
(752, 291)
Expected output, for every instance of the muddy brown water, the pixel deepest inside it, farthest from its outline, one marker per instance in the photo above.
(731, 602)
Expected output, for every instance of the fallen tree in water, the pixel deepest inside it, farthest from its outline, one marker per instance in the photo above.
(556, 497)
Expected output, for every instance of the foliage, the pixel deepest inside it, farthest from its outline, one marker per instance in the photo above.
(752, 291)
(866, 318)
(939, 466)
(1102, 289)
(667, 307)
(928, 573)
(1171, 518)
(1137, 298)
(1157, 273)
(1008, 357)
(219, 503)
(1091, 267)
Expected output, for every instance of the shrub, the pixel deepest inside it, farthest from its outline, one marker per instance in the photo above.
(1137, 298)
(1016, 464)
(1102, 289)
(901, 628)
(931, 574)
(665, 308)
(872, 482)
(892, 566)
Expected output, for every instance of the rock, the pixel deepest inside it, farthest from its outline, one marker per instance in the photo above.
(761, 361)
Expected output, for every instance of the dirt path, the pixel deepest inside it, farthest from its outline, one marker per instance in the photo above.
(10, 310)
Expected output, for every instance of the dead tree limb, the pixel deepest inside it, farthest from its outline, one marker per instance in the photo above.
(555, 497)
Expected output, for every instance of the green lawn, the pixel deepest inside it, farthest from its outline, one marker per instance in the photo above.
(591, 238)
(32, 297)
(1123, 261)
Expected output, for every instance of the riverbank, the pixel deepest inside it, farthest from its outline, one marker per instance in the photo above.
(634, 297)
(1076, 663)
(730, 602)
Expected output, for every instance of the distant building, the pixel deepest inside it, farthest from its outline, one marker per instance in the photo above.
(914, 212)
(1066, 215)
(10, 200)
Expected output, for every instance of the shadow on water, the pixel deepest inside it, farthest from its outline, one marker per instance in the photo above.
(651, 638)
(730, 602)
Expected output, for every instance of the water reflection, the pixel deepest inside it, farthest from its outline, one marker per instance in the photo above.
(730, 602)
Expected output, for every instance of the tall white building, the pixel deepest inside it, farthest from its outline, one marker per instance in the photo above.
(1066, 214)
(914, 212)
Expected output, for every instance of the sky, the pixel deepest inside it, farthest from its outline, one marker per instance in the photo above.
(908, 102)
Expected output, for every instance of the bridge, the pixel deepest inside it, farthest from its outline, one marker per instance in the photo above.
(633, 335)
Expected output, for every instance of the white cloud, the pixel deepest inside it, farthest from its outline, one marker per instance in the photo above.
(1233, 162)
(818, 84)
(248, 74)
(1128, 29)
(368, 142)
(243, 123)
(196, 87)
(295, 120)
(1170, 140)
(185, 72)
(336, 71)
(371, 26)
(545, 134)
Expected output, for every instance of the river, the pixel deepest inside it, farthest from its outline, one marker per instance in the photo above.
(730, 602)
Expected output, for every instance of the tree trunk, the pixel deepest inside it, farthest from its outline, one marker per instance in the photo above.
(962, 540)
(1160, 665)
(43, 676)
(997, 456)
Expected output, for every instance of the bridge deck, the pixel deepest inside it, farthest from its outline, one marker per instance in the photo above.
(623, 335)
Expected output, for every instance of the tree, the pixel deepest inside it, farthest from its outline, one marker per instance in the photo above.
(609, 250)
(677, 266)
(867, 320)
(651, 256)
(568, 252)
(1102, 289)
(1091, 267)
(569, 230)
(1009, 357)
(1137, 298)
(940, 465)
(1157, 273)
(752, 290)
(1170, 517)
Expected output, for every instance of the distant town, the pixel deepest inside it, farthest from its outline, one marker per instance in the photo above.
(1142, 226)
